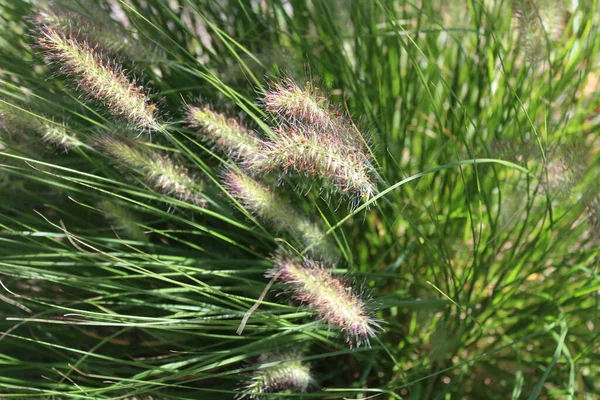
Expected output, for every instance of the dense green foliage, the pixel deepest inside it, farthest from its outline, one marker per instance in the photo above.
(129, 255)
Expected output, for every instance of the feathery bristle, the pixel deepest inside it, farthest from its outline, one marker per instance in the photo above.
(308, 109)
(565, 168)
(294, 105)
(122, 220)
(16, 122)
(540, 23)
(59, 136)
(315, 140)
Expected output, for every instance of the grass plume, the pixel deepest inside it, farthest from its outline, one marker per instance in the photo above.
(123, 220)
(277, 372)
(101, 80)
(314, 156)
(540, 24)
(308, 108)
(226, 134)
(316, 141)
(18, 124)
(314, 286)
(267, 206)
(160, 171)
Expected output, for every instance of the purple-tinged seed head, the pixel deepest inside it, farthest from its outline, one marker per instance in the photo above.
(313, 285)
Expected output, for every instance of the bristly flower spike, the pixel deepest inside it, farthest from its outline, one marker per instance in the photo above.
(307, 108)
(348, 173)
(565, 168)
(226, 134)
(313, 285)
(294, 105)
(20, 123)
(265, 205)
(162, 173)
(59, 136)
(276, 373)
(540, 22)
(122, 220)
(100, 80)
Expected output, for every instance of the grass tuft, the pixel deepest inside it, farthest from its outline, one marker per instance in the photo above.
(440, 157)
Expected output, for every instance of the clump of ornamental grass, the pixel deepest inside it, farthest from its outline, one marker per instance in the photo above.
(88, 21)
(313, 285)
(540, 23)
(100, 79)
(225, 134)
(315, 141)
(264, 204)
(277, 372)
(160, 172)
(122, 220)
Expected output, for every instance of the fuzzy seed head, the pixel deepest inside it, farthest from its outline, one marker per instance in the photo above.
(565, 168)
(312, 284)
(100, 80)
(265, 205)
(281, 372)
(268, 207)
(540, 22)
(59, 136)
(317, 141)
(295, 105)
(18, 123)
(226, 134)
(162, 173)
(349, 173)
(122, 220)
(322, 247)
(308, 110)
(255, 197)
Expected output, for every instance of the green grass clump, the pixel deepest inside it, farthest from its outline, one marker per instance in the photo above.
(299, 199)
